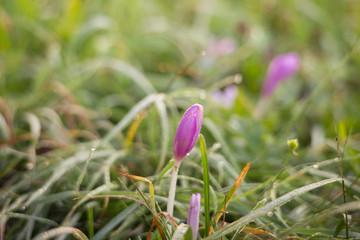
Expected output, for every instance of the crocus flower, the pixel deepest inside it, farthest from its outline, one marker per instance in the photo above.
(225, 98)
(186, 137)
(281, 68)
(188, 131)
(193, 215)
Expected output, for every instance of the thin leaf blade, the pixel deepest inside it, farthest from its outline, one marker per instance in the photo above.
(206, 179)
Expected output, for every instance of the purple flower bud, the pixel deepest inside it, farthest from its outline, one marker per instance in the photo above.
(225, 98)
(281, 68)
(193, 215)
(188, 131)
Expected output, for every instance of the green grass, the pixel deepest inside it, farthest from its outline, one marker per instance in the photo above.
(117, 76)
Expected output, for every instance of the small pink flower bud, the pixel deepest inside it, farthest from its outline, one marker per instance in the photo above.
(221, 47)
(281, 68)
(193, 215)
(225, 98)
(188, 131)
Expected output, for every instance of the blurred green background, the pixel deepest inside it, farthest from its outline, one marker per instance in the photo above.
(71, 70)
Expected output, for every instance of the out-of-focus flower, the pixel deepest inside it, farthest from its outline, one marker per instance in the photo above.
(221, 47)
(188, 131)
(193, 215)
(281, 68)
(225, 98)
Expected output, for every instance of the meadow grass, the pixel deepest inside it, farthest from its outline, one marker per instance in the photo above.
(92, 92)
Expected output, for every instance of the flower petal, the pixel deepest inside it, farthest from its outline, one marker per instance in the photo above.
(188, 131)
(281, 68)
(193, 215)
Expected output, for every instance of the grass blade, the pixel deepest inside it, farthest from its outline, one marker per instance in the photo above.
(117, 66)
(210, 125)
(257, 231)
(139, 107)
(29, 217)
(165, 134)
(339, 209)
(133, 128)
(55, 232)
(91, 221)
(230, 194)
(166, 168)
(83, 172)
(206, 183)
(5, 131)
(182, 232)
(269, 207)
(151, 186)
(114, 222)
(342, 183)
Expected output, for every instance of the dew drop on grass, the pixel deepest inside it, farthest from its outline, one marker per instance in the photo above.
(315, 166)
(270, 214)
(187, 154)
(93, 149)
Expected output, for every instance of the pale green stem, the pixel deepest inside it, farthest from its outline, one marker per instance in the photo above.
(82, 175)
(171, 199)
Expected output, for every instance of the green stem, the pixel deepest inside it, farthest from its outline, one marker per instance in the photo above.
(172, 190)
(206, 180)
(91, 221)
(343, 183)
(82, 175)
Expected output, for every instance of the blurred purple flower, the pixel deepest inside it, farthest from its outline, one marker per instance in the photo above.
(188, 131)
(227, 97)
(221, 47)
(193, 215)
(281, 68)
